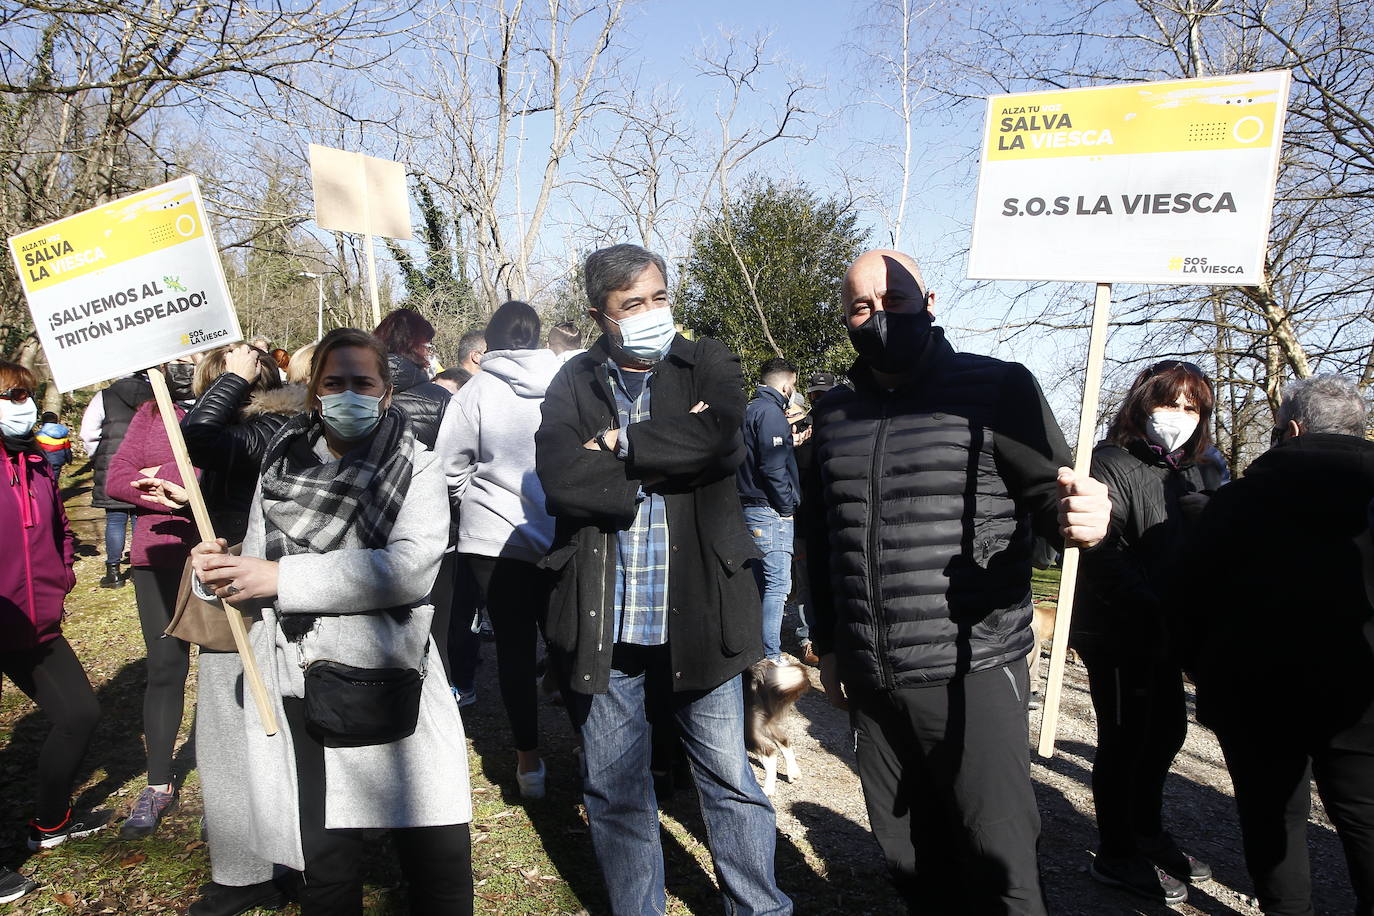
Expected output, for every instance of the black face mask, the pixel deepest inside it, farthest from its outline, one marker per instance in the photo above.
(891, 342)
(179, 376)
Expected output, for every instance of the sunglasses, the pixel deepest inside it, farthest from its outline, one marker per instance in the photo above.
(17, 395)
(1165, 365)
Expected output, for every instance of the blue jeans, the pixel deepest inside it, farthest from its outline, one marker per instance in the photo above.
(116, 530)
(773, 535)
(618, 789)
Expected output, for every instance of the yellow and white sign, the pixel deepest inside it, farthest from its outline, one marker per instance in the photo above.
(126, 285)
(1168, 182)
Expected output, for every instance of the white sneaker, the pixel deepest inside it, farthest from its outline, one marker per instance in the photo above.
(531, 784)
(465, 697)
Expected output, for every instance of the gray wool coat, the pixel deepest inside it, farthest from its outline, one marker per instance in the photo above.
(420, 781)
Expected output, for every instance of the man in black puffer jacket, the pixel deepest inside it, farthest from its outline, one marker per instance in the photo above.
(931, 477)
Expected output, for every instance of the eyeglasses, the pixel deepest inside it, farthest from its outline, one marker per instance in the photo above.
(17, 395)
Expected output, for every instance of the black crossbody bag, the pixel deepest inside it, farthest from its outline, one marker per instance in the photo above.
(346, 706)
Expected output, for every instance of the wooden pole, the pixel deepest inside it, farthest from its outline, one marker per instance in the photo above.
(367, 239)
(1087, 429)
(251, 676)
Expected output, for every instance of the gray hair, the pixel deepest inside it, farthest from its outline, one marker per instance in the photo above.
(615, 268)
(1324, 404)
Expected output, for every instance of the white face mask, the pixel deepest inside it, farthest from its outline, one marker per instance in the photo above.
(1171, 428)
(349, 414)
(17, 420)
(647, 335)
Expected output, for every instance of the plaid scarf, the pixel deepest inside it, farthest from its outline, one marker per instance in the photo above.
(314, 507)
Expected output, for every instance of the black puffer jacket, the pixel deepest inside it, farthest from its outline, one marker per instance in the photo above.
(227, 433)
(920, 546)
(121, 401)
(421, 400)
(1122, 605)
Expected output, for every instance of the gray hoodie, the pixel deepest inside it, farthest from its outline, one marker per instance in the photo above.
(486, 444)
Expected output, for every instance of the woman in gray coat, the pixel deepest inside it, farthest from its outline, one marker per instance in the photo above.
(341, 551)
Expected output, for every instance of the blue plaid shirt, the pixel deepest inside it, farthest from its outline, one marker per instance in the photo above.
(641, 573)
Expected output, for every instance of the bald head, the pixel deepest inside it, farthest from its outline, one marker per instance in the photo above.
(884, 280)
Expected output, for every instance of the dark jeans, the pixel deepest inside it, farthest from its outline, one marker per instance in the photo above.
(464, 644)
(517, 595)
(169, 661)
(116, 534)
(1142, 720)
(437, 861)
(618, 789)
(1272, 773)
(946, 778)
(52, 677)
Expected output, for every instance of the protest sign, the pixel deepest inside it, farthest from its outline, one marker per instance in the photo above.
(125, 285)
(1169, 182)
(361, 194)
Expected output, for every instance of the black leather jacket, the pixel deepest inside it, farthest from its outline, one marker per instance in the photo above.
(421, 400)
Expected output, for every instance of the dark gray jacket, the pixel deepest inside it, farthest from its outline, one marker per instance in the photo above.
(715, 625)
(919, 516)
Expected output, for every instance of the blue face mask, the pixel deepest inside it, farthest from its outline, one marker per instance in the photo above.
(17, 420)
(648, 335)
(350, 415)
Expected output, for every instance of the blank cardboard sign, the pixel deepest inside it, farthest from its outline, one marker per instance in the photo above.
(357, 193)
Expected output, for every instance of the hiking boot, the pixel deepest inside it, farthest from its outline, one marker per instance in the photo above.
(223, 900)
(1140, 876)
(72, 826)
(148, 809)
(1164, 853)
(112, 578)
(808, 655)
(13, 885)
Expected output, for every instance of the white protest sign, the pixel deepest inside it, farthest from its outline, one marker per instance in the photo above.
(357, 193)
(126, 285)
(1168, 182)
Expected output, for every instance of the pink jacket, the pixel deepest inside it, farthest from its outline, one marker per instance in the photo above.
(37, 553)
(161, 538)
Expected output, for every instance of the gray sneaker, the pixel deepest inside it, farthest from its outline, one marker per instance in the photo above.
(13, 885)
(148, 809)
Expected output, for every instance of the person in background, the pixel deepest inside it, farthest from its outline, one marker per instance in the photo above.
(262, 343)
(102, 430)
(162, 541)
(1154, 461)
(453, 379)
(342, 549)
(409, 340)
(55, 440)
(298, 367)
(565, 340)
(471, 348)
(240, 405)
(35, 576)
(931, 474)
(1278, 583)
(770, 492)
(817, 384)
(487, 446)
(283, 361)
(636, 452)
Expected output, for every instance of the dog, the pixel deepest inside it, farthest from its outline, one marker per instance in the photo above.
(771, 690)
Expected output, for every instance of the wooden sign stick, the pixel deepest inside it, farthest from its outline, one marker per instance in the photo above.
(251, 676)
(367, 240)
(1087, 429)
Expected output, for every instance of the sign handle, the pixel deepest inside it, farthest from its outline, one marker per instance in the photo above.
(1087, 428)
(372, 280)
(251, 676)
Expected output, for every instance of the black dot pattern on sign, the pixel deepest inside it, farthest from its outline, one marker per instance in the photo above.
(160, 234)
(1208, 131)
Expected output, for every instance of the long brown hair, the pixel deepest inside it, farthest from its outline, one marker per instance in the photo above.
(1159, 386)
(13, 375)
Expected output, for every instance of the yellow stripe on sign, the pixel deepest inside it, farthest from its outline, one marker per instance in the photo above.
(105, 236)
(1181, 116)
